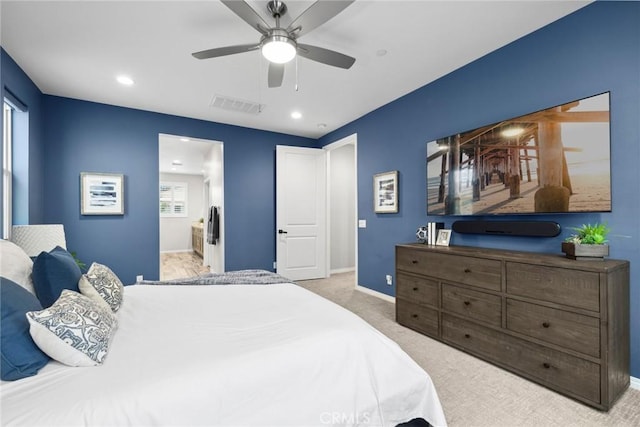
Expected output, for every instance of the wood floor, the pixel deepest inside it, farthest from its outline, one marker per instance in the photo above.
(178, 265)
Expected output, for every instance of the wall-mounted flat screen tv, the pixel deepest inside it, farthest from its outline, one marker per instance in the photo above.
(556, 160)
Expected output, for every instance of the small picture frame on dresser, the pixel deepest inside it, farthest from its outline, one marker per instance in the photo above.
(444, 236)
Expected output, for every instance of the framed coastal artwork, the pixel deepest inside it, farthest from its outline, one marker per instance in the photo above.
(101, 193)
(385, 192)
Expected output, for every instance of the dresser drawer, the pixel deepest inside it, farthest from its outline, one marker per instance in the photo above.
(473, 304)
(417, 289)
(574, 331)
(573, 288)
(483, 273)
(417, 317)
(553, 368)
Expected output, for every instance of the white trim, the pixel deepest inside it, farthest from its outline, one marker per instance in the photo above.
(347, 140)
(635, 383)
(343, 270)
(375, 294)
(176, 251)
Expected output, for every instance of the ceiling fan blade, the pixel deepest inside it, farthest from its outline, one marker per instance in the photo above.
(276, 74)
(247, 14)
(224, 51)
(317, 14)
(325, 56)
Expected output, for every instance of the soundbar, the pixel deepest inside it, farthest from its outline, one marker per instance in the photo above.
(508, 228)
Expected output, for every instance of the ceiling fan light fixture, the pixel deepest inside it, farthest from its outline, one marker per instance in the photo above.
(278, 49)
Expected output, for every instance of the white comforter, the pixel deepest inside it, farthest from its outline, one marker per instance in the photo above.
(274, 355)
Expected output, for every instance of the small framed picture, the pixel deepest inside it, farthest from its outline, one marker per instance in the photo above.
(385, 192)
(443, 238)
(101, 193)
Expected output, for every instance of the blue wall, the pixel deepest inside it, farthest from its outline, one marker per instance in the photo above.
(83, 136)
(594, 50)
(67, 136)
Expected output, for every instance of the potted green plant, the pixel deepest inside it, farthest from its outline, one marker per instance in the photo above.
(588, 242)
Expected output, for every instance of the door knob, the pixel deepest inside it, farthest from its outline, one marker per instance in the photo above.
(282, 232)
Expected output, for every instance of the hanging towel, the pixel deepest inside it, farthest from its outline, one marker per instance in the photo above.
(213, 226)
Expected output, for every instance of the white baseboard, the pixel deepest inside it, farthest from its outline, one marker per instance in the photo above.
(375, 293)
(342, 270)
(635, 383)
(176, 252)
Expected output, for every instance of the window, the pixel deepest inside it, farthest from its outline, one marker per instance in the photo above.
(173, 199)
(7, 137)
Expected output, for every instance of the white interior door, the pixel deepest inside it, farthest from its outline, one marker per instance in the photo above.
(301, 249)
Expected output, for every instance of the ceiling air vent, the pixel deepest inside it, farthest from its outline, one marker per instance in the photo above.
(237, 105)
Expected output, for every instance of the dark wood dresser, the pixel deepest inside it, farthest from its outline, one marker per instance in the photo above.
(559, 322)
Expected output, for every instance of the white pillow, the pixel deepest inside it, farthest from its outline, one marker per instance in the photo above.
(75, 330)
(105, 283)
(16, 265)
(87, 289)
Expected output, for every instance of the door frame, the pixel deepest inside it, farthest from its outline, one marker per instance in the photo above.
(348, 140)
(212, 181)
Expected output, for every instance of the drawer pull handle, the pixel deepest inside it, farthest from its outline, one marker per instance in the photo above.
(546, 324)
(415, 316)
(415, 289)
(546, 365)
(413, 261)
(467, 336)
(467, 270)
(467, 303)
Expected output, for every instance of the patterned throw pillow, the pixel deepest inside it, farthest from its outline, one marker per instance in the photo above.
(75, 330)
(106, 285)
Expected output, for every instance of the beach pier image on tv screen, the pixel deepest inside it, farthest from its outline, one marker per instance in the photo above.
(551, 161)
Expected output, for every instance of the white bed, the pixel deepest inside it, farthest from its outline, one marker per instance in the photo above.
(233, 355)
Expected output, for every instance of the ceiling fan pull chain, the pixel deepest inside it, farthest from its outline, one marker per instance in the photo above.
(296, 73)
(260, 74)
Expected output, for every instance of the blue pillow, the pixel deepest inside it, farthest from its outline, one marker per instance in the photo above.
(21, 357)
(52, 272)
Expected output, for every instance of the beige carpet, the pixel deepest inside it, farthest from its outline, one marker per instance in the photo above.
(473, 392)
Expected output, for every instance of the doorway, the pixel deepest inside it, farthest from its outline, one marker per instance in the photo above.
(191, 183)
(330, 246)
(342, 185)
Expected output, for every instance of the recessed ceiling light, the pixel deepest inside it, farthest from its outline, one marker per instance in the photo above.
(125, 80)
(296, 115)
(322, 125)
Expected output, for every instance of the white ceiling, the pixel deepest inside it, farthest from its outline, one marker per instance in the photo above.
(181, 155)
(76, 48)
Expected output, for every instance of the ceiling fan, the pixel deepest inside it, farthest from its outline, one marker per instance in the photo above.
(280, 45)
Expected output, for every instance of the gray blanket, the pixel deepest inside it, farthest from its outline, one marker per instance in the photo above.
(240, 277)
